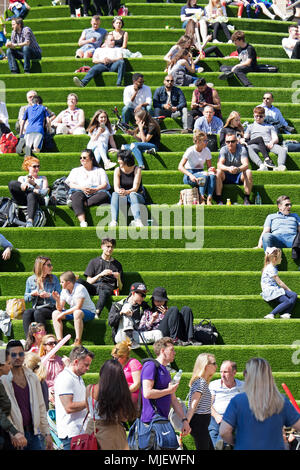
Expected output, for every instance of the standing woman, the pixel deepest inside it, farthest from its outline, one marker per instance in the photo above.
(199, 407)
(127, 185)
(30, 190)
(39, 288)
(147, 134)
(111, 404)
(192, 166)
(89, 185)
(101, 134)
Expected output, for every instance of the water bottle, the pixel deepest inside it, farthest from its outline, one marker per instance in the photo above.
(258, 199)
(177, 377)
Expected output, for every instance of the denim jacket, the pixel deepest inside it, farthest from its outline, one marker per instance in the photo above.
(160, 97)
(31, 285)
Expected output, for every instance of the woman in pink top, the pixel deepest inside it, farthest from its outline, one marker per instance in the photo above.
(131, 367)
(54, 365)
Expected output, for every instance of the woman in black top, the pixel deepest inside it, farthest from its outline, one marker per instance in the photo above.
(147, 134)
(127, 187)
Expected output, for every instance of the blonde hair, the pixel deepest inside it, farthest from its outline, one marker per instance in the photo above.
(274, 255)
(199, 136)
(263, 395)
(122, 349)
(39, 263)
(33, 362)
(201, 362)
(42, 351)
(230, 118)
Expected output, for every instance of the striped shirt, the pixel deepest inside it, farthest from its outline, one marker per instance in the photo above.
(204, 405)
(26, 34)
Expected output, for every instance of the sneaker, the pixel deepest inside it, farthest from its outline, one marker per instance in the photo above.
(69, 202)
(262, 168)
(270, 316)
(280, 168)
(215, 41)
(289, 129)
(219, 445)
(199, 69)
(269, 162)
(285, 315)
(247, 202)
(29, 223)
(192, 342)
(229, 42)
(83, 224)
(225, 75)
(136, 223)
(179, 342)
(151, 151)
(109, 165)
(78, 82)
(134, 344)
(113, 223)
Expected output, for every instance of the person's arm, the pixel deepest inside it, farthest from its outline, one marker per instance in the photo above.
(274, 139)
(226, 432)
(181, 167)
(281, 283)
(179, 411)
(71, 406)
(58, 119)
(216, 104)
(125, 40)
(112, 142)
(151, 393)
(136, 377)
(245, 164)
(117, 180)
(221, 164)
(181, 101)
(196, 397)
(265, 230)
(82, 40)
(77, 306)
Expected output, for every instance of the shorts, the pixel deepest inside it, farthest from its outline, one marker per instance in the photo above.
(88, 315)
(233, 179)
(34, 140)
(86, 48)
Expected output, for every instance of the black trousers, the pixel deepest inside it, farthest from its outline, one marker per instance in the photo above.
(241, 73)
(80, 200)
(74, 4)
(296, 51)
(104, 292)
(199, 431)
(177, 324)
(39, 315)
(216, 26)
(25, 198)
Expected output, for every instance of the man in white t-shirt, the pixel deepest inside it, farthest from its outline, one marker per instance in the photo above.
(107, 58)
(135, 97)
(82, 309)
(70, 396)
(222, 390)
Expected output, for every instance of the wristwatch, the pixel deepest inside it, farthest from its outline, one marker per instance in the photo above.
(184, 419)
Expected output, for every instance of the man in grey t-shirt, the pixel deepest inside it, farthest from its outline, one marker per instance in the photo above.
(270, 138)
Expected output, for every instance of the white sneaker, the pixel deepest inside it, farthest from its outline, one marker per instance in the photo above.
(83, 224)
(280, 168)
(229, 42)
(200, 69)
(109, 165)
(78, 82)
(285, 315)
(215, 41)
(113, 223)
(136, 223)
(69, 202)
(270, 316)
(262, 168)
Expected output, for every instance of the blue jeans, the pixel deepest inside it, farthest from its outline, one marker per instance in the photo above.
(118, 67)
(285, 302)
(26, 53)
(33, 441)
(19, 12)
(100, 150)
(280, 241)
(134, 199)
(138, 148)
(128, 113)
(66, 443)
(209, 185)
(213, 430)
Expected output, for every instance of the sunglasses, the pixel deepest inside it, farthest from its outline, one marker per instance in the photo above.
(84, 158)
(230, 141)
(20, 354)
(171, 81)
(51, 343)
(48, 264)
(212, 363)
(288, 205)
(35, 166)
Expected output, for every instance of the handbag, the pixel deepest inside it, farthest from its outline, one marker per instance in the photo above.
(86, 441)
(205, 332)
(188, 196)
(8, 143)
(15, 308)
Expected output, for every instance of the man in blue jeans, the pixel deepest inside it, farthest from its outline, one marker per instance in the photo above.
(106, 59)
(22, 46)
(280, 228)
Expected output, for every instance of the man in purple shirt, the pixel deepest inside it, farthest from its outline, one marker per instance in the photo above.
(157, 386)
(22, 46)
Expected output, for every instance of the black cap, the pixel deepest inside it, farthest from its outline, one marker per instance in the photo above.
(160, 294)
(138, 287)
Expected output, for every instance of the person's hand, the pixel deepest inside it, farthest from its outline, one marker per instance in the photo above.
(55, 295)
(19, 441)
(173, 387)
(186, 429)
(270, 145)
(34, 293)
(162, 309)
(106, 272)
(48, 442)
(6, 253)
(44, 295)
(218, 418)
(24, 186)
(193, 179)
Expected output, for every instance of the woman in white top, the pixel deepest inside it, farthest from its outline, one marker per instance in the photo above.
(89, 186)
(29, 190)
(192, 165)
(273, 288)
(199, 407)
(101, 134)
(70, 120)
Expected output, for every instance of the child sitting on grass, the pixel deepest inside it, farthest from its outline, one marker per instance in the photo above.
(273, 288)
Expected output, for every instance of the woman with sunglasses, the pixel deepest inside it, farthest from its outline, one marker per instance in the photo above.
(30, 190)
(39, 288)
(89, 186)
(36, 331)
(54, 365)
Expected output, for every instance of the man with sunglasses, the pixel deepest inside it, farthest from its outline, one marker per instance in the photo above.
(273, 115)
(28, 411)
(125, 316)
(169, 101)
(233, 168)
(281, 228)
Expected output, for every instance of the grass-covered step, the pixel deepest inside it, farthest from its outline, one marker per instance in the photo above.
(191, 282)
(151, 259)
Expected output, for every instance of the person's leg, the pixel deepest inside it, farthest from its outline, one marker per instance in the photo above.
(78, 316)
(270, 240)
(33, 441)
(199, 431)
(104, 295)
(119, 68)
(12, 56)
(114, 206)
(150, 336)
(41, 315)
(241, 74)
(78, 203)
(101, 197)
(226, 31)
(137, 148)
(215, 27)
(18, 195)
(281, 152)
(220, 177)
(93, 72)
(252, 152)
(29, 54)
(246, 179)
(285, 303)
(210, 189)
(260, 145)
(27, 317)
(57, 325)
(127, 114)
(213, 430)
(33, 200)
(213, 50)
(184, 113)
(135, 200)
(170, 324)
(188, 319)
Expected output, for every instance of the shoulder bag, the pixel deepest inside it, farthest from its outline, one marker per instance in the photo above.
(86, 441)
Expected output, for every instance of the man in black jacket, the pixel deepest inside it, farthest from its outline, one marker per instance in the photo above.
(169, 100)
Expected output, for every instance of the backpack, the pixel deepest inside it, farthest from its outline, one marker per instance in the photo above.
(205, 332)
(8, 143)
(39, 216)
(59, 192)
(9, 213)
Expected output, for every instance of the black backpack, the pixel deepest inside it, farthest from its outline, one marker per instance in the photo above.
(59, 192)
(9, 213)
(205, 332)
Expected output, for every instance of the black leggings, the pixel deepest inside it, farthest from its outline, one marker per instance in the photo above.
(39, 315)
(177, 324)
(80, 200)
(104, 292)
(25, 198)
(217, 26)
(199, 431)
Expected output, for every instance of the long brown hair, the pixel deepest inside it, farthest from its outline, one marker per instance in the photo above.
(95, 123)
(147, 119)
(231, 116)
(179, 55)
(39, 263)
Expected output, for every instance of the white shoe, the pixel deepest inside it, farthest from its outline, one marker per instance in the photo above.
(136, 223)
(109, 165)
(113, 223)
(285, 315)
(215, 41)
(83, 224)
(69, 202)
(270, 316)
(199, 69)
(262, 168)
(78, 82)
(280, 168)
(229, 42)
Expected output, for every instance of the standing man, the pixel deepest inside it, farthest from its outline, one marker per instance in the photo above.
(222, 390)
(70, 395)
(104, 274)
(170, 101)
(273, 114)
(233, 168)
(91, 39)
(280, 228)
(135, 97)
(22, 46)
(28, 411)
(107, 58)
(156, 385)
(203, 95)
(247, 58)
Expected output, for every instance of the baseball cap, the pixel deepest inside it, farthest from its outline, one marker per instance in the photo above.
(138, 287)
(160, 293)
